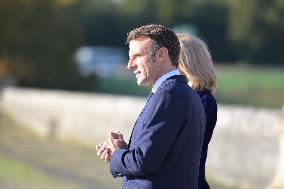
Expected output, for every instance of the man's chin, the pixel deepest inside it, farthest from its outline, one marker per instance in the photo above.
(141, 84)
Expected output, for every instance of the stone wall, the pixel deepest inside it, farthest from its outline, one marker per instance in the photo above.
(245, 147)
(246, 151)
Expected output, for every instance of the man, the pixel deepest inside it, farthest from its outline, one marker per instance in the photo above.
(164, 148)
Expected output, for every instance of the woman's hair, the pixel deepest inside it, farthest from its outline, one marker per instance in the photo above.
(196, 64)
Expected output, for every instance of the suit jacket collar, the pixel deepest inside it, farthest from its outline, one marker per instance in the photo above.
(175, 78)
(164, 78)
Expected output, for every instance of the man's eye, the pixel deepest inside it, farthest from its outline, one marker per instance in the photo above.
(131, 57)
(134, 57)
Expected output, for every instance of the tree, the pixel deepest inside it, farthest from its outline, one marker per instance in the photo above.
(210, 19)
(39, 39)
(257, 29)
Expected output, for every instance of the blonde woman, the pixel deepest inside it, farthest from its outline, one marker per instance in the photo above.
(196, 64)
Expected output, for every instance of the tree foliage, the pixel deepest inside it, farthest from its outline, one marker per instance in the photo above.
(39, 38)
(257, 29)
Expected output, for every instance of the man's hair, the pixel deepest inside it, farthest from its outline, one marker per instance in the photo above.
(161, 36)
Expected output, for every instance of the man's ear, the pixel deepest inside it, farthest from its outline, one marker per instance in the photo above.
(163, 54)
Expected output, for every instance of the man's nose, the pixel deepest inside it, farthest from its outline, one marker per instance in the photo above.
(130, 64)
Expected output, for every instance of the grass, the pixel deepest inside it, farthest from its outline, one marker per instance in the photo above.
(28, 161)
(20, 169)
(14, 174)
(237, 84)
(256, 86)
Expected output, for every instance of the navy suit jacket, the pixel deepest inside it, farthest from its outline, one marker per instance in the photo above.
(165, 144)
(210, 107)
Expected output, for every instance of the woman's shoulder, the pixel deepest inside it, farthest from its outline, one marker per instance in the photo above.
(205, 94)
(207, 98)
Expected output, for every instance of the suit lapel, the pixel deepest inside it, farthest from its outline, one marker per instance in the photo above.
(149, 96)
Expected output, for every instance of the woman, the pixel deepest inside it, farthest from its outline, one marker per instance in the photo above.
(196, 64)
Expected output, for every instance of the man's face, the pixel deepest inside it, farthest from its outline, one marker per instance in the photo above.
(142, 62)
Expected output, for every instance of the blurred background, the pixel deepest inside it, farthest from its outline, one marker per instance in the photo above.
(77, 47)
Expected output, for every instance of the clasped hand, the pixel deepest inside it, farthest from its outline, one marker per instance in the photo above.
(114, 141)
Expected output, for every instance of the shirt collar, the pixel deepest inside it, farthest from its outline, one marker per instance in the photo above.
(163, 78)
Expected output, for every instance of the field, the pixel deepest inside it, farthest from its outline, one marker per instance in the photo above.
(258, 86)
(30, 162)
(16, 174)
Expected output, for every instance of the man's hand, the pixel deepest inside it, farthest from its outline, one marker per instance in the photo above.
(103, 151)
(113, 142)
(118, 140)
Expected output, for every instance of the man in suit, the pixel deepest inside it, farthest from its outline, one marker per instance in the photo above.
(165, 145)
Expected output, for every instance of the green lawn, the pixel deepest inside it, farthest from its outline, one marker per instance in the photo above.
(238, 84)
(256, 86)
(15, 174)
